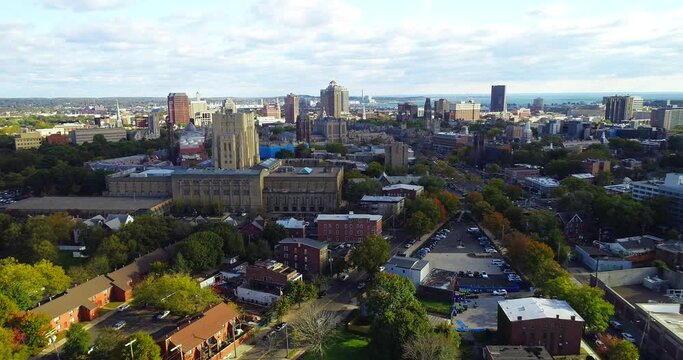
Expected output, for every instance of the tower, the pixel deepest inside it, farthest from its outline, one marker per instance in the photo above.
(291, 108)
(235, 140)
(362, 101)
(429, 116)
(119, 121)
(334, 100)
(498, 99)
(178, 108)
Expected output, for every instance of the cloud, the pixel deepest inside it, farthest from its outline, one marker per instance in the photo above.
(549, 10)
(83, 5)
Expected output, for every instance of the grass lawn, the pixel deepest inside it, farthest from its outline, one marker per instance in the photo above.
(345, 346)
(66, 260)
(109, 307)
(436, 306)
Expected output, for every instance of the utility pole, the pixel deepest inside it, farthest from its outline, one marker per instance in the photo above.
(130, 343)
(180, 348)
(287, 341)
(234, 340)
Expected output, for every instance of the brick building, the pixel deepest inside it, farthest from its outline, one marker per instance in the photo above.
(271, 272)
(596, 166)
(519, 173)
(348, 227)
(306, 255)
(295, 228)
(406, 190)
(57, 139)
(573, 225)
(541, 322)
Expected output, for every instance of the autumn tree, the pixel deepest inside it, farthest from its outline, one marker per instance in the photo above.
(496, 223)
(370, 254)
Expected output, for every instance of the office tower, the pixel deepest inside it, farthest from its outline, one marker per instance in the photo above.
(429, 115)
(621, 108)
(271, 110)
(498, 99)
(443, 107)
(396, 155)
(197, 107)
(153, 130)
(304, 127)
(291, 108)
(235, 140)
(466, 111)
(334, 100)
(178, 109)
(537, 105)
(406, 111)
(667, 118)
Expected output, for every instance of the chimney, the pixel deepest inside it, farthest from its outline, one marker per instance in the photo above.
(557, 316)
(519, 318)
(573, 317)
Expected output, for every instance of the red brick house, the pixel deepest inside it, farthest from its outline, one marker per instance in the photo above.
(348, 227)
(406, 190)
(550, 323)
(254, 229)
(57, 139)
(306, 255)
(573, 225)
(209, 337)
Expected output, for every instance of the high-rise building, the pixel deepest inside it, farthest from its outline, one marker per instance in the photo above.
(429, 116)
(406, 111)
(498, 99)
(153, 120)
(466, 111)
(396, 155)
(197, 107)
(443, 107)
(334, 100)
(271, 110)
(333, 129)
(537, 105)
(304, 127)
(178, 109)
(229, 105)
(621, 108)
(667, 118)
(291, 108)
(235, 140)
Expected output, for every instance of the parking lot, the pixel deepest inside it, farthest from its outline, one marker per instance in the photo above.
(137, 319)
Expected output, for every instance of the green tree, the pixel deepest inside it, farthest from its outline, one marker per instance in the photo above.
(113, 249)
(432, 346)
(374, 169)
(32, 328)
(25, 285)
(493, 168)
(336, 148)
(178, 293)
(202, 251)
(284, 154)
(273, 233)
(8, 347)
(587, 301)
(419, 223)
(432, 183)
(281, 306)
(144, 347)
(302, 151)
(233, 243)
(370, 254)
(7, 309)
(299, 291)
(109, 345)
(77, 342)
(623, 350)
(480, 209)
(354, 191)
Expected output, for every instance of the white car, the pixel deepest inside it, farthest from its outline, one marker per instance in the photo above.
(628, 337)
(382, 268)
(124, 307)
(497, 262)
(615, 324)
(484, 275)
(343, 277)
(162, 315)
(119, 325)
(500, 292)
(491, 251)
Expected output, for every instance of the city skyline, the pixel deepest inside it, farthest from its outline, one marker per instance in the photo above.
(107, 48)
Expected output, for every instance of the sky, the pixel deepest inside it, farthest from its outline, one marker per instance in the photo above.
(96, 48)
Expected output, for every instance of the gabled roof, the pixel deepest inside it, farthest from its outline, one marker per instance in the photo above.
(403, 187)
(291, 223)
(408, 262)
(211, 322)
(123, 277)
(567, 217)
(74, 297)
(305, 241)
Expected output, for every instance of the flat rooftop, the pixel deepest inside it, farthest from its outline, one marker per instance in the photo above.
(538, 308)
(667, 315)
(640, 294)
(85, 203)
(295, 171)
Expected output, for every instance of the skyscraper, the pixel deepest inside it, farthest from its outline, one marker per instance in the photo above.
(235, 140)
(178, 109)
(443, 107)
(498, 99)
(537, 105)
(153, 120)
(667, 118)
(429, 115)
(291, 108)
(466, 111)
(334, 100)
(396, 155)
(304, 127)
(621, 108)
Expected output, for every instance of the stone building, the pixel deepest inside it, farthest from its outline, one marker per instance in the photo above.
(291, 189)
(235, 140)
(396, 155)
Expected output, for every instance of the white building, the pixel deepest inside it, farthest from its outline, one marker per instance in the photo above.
(540, 185)
(671, 186)
(414, 269)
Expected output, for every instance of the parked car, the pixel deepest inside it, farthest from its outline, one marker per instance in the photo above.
(472, 229)
(119, 325)
(491, 250)
(123, 307)
(280, 326)
(162, 315)
(360, 285)
(407, 246)
(508, 271)
(615, 324)
(484, 275)
(343, 277)
(600, 345)
(497, 262)
(322, 293)
(382, 268)
(500, 292)
(628, 337)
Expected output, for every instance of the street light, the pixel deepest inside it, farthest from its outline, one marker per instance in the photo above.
(130, 343)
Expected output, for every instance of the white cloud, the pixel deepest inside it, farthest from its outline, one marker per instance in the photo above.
(83, 5)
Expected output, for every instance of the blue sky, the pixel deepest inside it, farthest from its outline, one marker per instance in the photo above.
(94, 48)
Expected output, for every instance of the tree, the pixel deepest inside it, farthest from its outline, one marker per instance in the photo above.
(335, 148)
(587, 301)
(395, 326)
(178, 293)
(315, 328)
(426, 205)
(9, 349)
(26, 285)
(233, 243)
(284, 154)
(496, 223)
(302, 151)
(493, 168)
(432, 183)
(202, 251)
(419, 223)
(449, 201)
(354, 191)
(299, 291)
(144, 347)
(273, 233)
(481, 208)
(374, 169)
(77, 342)
(370, 254)
(109, 345)
(281, 306)
(31, 329)
(7, 309)
(430, 346)
(113, 249)
(623, 350)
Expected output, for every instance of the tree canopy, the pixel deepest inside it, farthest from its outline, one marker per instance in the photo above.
(370, 254)
(178, 293)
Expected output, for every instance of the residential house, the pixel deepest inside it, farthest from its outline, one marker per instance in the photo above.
(406, 190)
(403, 179)
(550, 323)
(593, 258)
(414, 269)
(305, 255)
(254, 229)
(348, 227)
(387, 206)
(573, 225)
(638, 249)
(264, 282)
(671, 253)
(210, 337)
(295, 228)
